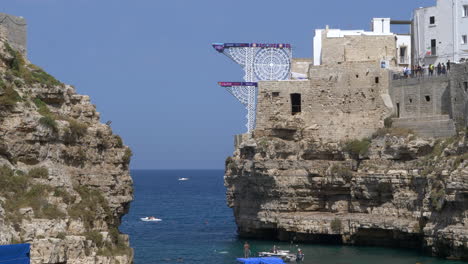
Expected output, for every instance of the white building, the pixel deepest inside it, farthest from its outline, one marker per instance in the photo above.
(380, 27)
(440, 32)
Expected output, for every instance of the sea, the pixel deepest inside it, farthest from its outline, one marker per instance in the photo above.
(198, 227)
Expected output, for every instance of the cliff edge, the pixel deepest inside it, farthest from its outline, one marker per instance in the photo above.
(392, 189)
(64, 176)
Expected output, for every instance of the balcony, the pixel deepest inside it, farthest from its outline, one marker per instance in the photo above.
(403, 60)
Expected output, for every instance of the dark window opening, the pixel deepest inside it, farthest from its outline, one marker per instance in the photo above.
(432, 20)
(465, 86)
(275, 94)
(357, 75)
(376, 79)
(433, 47)
(428, 98)
(398, 110)
(295, 103)
(410, 100)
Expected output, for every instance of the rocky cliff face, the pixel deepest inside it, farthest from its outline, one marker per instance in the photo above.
(393, 189)
(64, 176)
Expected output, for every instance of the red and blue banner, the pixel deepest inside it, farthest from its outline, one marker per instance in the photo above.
(232, 84)
(221, 46)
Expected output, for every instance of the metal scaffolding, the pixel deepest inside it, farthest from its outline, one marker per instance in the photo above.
(261, 62)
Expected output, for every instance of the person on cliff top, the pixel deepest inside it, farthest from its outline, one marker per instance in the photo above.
(299, 255)
(448, 66)
(246, 250)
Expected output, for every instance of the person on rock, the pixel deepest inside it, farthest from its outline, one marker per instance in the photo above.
(299, 255)
(274, 249)
(246, 250)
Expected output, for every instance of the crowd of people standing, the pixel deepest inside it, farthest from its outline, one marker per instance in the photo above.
(431, 70)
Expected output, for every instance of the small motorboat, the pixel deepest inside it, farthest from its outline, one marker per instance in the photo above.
(151, 219)
(285, 255)
(183, 179)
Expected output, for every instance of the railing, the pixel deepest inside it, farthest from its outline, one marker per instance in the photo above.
(419, 74)
(403, 60)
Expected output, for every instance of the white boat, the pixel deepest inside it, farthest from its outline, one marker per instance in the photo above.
(150, 219)
(283, 254)
(183, 179)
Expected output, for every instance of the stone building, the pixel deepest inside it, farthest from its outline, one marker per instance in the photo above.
(440, 32)
(14, 29)
(432, 106)
(347, 92)
(337, 102)
(335, 45)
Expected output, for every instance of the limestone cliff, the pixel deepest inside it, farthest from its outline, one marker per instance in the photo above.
(393, 189)
(64, 176)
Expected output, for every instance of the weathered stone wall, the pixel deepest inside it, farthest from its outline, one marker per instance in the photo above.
(338, 102)
(421, 97)
(15, 31)
(459, 94)
(358, 48)
(431, 99)
(300, 65)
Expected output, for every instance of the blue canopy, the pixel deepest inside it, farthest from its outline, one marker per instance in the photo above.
(14, 254)
(268, 260)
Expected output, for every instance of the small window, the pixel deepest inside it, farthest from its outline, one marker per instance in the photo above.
(433, 47)
(428, 98)
(275, 94)
(465, 11)
(295, 103)
(410, 100)
(465, 86)
(376, 79)
(464, 39)
(432, 20)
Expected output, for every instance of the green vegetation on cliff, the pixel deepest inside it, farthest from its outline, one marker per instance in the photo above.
(28, 72)
(21, 192)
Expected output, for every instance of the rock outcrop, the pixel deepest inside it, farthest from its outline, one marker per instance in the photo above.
(64, 176)
(394, 189)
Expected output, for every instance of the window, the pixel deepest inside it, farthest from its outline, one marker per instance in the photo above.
(465, 86)
(403, 59)
(295, 103)
(433, 47)
(275, 94)
(465, 11)
(376, 79)
(428, 98)
(432, 20)
(464, 39)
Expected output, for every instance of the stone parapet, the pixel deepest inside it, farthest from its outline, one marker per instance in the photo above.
(15, 30)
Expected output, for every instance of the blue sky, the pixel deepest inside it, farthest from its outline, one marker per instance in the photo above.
(149, 67)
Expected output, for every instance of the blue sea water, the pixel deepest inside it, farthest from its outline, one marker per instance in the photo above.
(198, 227)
